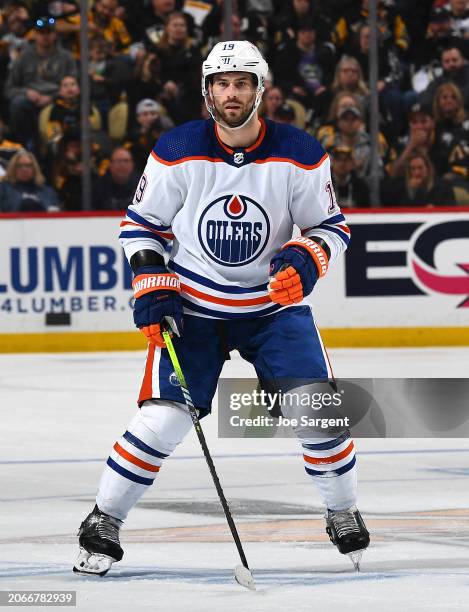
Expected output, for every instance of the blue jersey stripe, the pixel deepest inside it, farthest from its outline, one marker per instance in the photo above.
(202, 280)
(229, 315)
(328, 445)
(138, 219)
(144, 234)
(142, 446)
(336, 472)
(129, 475)
(334, 219)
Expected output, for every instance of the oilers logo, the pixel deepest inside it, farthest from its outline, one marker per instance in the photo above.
(233, 230)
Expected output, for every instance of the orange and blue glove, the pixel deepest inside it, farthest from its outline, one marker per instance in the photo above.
(295, 270)
(157, 302)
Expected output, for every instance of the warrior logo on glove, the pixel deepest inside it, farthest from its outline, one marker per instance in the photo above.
(295, 270)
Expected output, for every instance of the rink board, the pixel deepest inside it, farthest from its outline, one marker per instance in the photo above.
(65, 284)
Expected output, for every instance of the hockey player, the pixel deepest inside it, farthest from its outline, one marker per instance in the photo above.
(227, 192)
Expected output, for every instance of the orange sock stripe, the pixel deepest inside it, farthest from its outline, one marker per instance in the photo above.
(333, 459)
(135, 460)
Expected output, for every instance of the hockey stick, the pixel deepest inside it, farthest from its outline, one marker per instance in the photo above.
(243, 574)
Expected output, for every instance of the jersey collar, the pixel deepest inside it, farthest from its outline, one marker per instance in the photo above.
(240, 156)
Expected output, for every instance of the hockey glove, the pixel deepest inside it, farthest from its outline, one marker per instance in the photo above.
(295, 270)
(157, 302)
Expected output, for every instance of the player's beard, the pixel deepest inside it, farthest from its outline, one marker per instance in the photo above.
(234, 118)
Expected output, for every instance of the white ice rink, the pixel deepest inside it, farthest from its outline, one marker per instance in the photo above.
(62, 413)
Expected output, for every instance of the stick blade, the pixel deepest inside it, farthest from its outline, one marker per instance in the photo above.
(244, 577)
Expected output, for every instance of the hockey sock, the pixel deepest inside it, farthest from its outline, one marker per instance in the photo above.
(136, 458)
(331, 465)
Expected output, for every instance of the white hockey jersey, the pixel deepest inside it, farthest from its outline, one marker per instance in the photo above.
(229, 211)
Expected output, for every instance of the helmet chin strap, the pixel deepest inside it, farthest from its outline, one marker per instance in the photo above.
(213, 112)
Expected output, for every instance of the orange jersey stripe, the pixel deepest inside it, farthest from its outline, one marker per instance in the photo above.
(167, 235)
(333, 459)
(260, 138)
(184, 159)
(135, 460)
(146, 391)
(292, 161)
(344, 228)
(218, 300)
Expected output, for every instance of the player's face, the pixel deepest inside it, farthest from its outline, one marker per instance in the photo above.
(233, 96)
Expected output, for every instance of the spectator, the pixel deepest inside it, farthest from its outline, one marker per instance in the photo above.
(458, 11)
(145, 83)
(65, 112)
(115, 190)
(350, 190)
(284, 114)
(392, 100)
(102, 20)
(180, 69)
(255, 25)
(390, 25)
(154, 22)
(455, 70)
(425, 53)
(421, 139)
(109, 76)
(350, 131)
(34, 80)
(326, 133)
(23, 188)
(68, 168)
(451, 125)
(220, 36)
(212, 23)
(301, 68)
(67, 171)
(348, 76)
(418, 187)
(273, 98)
(7, 149)
(285, 26)
(13, 35)
(151, 124)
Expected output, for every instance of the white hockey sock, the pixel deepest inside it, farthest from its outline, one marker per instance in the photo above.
(331, 465)
(152, 435)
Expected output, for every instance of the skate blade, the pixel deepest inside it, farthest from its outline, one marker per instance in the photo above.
(91, 564)
(244, 577)
(356, 557)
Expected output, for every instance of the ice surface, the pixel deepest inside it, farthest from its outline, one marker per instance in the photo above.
(62, 413)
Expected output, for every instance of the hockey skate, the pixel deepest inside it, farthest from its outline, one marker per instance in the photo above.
(99, 544)
(347, 531)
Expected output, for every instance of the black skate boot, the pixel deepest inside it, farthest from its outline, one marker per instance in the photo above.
(347, 531)
(98, 537)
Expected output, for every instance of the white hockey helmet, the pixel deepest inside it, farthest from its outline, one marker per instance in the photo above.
(234, 56)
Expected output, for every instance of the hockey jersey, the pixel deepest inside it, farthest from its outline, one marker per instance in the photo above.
(226, 212)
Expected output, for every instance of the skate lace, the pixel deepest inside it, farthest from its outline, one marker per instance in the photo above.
(345, 523)
(108, 530)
